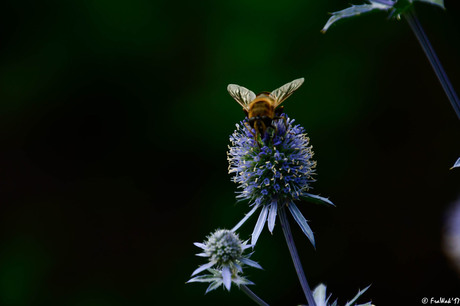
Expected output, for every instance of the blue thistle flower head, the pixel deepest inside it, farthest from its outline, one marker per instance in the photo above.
(272, 170)
(278, 166)
(226, 260)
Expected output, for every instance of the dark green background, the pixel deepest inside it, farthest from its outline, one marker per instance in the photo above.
(114, 126)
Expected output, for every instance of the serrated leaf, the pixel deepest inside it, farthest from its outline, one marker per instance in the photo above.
(360, 292)
(355, 10)
(457, 164)
(213, 286)
(434, 2)
(203, 279)
(239, 280)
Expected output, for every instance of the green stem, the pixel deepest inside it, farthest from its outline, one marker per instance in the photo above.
(253, 296)
(433, 59)
(295, 256)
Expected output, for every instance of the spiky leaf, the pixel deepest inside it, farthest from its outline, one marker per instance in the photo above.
(302, 222)
(227, 277)
(355, 10)
(246, 217)
(259, 225)
(204, 279)
(273, 208)
(251, 263)
(203, 267)
(360, 292)
(318, 199)
(319, 294)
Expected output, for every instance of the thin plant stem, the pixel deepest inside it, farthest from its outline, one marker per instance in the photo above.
(253, 296)
(433, 59)
(295, 256)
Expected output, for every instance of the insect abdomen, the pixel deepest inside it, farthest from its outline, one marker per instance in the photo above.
(261, 108)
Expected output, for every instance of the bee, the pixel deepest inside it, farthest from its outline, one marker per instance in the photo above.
(263, 108)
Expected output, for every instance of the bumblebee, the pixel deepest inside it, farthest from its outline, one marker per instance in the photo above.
(263, 108)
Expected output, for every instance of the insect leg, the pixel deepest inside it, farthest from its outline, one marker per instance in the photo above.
(278, 113)
(284, 120)
(246, 124)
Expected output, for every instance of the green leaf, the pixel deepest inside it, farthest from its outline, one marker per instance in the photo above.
(435, 2)
(356, 10)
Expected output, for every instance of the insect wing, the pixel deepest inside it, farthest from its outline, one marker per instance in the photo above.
(242, 95)
(282, 93)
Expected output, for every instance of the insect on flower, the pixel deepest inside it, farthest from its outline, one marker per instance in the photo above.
(263, 108)
(273, 174)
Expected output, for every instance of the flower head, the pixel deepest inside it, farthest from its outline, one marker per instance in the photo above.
(223, 247)
(224, 250)
(273, 170)
(279, 165)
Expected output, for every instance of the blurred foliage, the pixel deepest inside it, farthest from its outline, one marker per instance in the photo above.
(114, 125)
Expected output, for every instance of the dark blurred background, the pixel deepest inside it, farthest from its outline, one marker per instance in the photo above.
(114, 126)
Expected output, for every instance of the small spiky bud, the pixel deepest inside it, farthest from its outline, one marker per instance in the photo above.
(224, 250)
(224, 247)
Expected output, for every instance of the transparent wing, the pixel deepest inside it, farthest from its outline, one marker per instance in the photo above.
(241, 94)
(282, 93)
